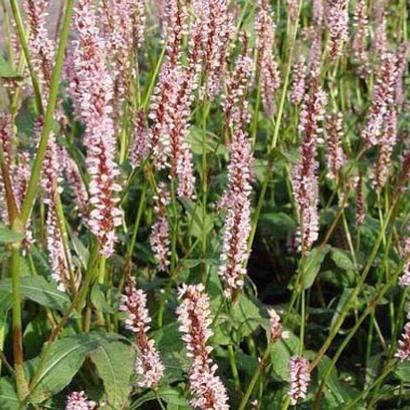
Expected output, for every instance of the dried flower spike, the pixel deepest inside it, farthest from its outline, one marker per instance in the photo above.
(149, 368)
(194, 316)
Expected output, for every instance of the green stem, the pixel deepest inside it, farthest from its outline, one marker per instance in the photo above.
(234, 368)
(346, 308)
(21, 382)
(49, 116)
(255, 378)
(24, 45)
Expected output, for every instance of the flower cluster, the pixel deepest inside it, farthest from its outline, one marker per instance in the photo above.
(360, 38)
(140, 146)
(268, 67)
(403, 350)
(238, 83)
(360, 203)
(77, 400)
(335, 155)
(124, 23)
(237, 202)
(41, 47)
(404, 279)
(276, 330)
(217, 29)
(298, 86)
(194, 316)
(148, 366)
(77, 186)
(159, 238)
(337, 20)
(401, 55)
(386, 145)
(299, 378)
(93, 92)
(382, 99)
(304, 179)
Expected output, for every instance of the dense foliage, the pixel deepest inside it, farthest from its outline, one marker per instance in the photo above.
(204, 204)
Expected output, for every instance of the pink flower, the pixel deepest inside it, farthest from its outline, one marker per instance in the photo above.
(276, 330)
(159, 238)
(299, 378)
(124, 24)
(77, 186)
(386, 145)
(42, 49)
(337, 20)
(298, 87)
(237, 227)
(360, 38)
(194, 316)
(77, 400)
(404, 280)
(217, 29)
(403, 350)
(148, 365)
(380, 36)
(268, 67)
(360, 203)
(382, 98)
(237, 85)
(140, 146)
(335, 155)
(93, 91)
(58, 258)
(304, 178)
(401, 55)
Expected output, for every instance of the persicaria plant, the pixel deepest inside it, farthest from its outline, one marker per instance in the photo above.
(204, 204)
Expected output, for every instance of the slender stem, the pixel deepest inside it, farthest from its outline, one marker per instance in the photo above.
(255, 378)
(234, 368)
(346, 307)
(21, 382)
(49, 116)
(24, 45)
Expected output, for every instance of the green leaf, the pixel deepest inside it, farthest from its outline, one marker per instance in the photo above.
(313, 264)
(277, 224)
(281, 353)
(7, 71)
(62, 362)
(7, 235)
(342, 259)
(8, 396)
(114, 361)
(403, 371)
(37, 289)
(173, 396)
(246, 316)
(334, 392)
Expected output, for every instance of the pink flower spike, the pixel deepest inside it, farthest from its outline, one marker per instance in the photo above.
(93, 90)
(403, 350)
(77, 400)
(299, 378)
(337, 20)
(148, 365)
(194, 316)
